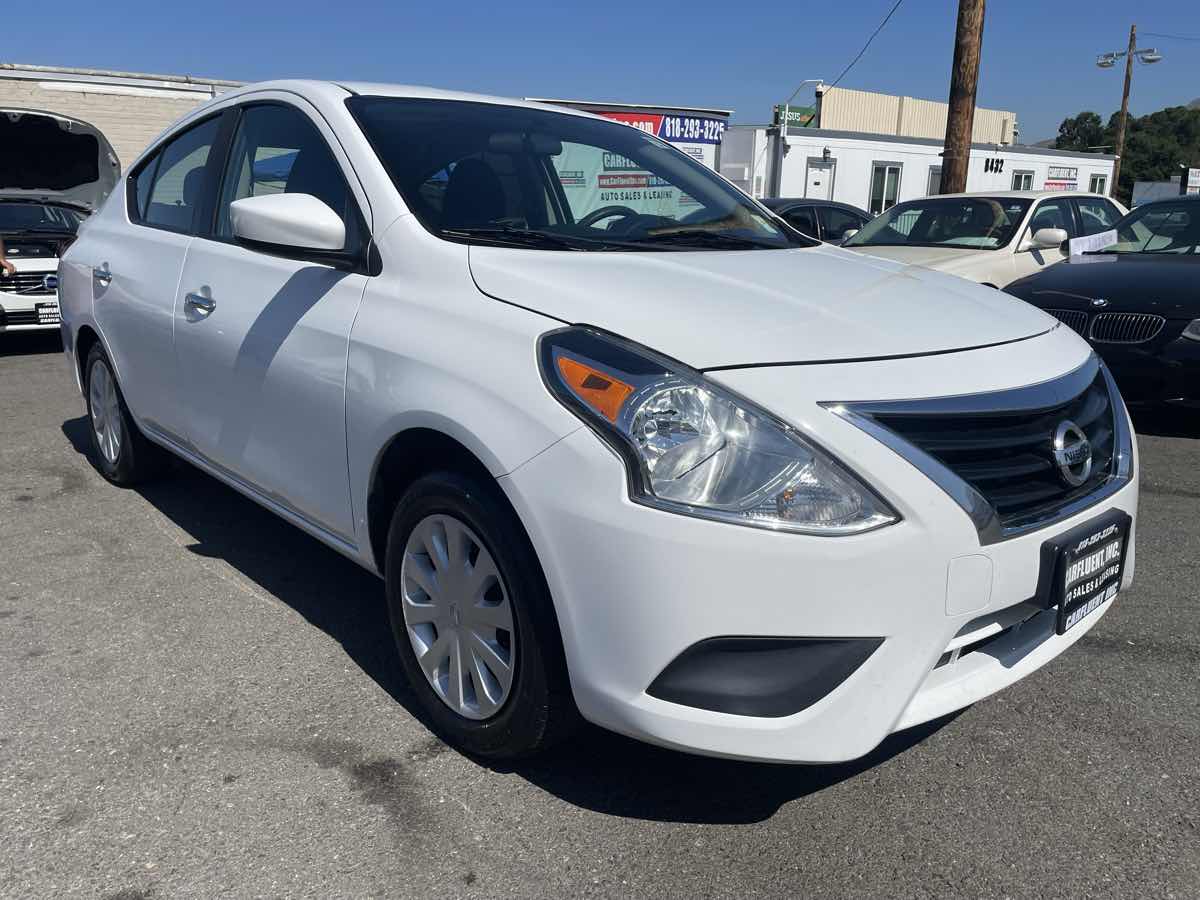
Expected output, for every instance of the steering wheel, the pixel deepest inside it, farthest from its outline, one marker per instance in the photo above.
(606, 212)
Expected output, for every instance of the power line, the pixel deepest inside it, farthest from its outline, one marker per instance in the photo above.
(1170, 37)
(868, 43)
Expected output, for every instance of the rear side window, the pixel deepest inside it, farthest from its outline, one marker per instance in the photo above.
(169, 197)
(277, 150)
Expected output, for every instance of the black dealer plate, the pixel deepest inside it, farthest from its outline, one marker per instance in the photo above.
(1082, 568)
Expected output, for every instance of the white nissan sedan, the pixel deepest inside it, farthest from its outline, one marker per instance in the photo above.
(619, 446)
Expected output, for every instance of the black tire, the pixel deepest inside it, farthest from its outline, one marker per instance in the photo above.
(539, 710)
(137, 459)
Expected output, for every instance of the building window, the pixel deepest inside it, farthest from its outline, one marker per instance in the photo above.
(1098, 184)
(1022, 181)
(885, 186)
(934, 187)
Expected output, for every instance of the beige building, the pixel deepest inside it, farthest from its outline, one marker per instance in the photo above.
(866, 112)
(130, 109)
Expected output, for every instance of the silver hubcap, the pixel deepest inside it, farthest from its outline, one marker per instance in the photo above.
(106, 411)
(458, 616)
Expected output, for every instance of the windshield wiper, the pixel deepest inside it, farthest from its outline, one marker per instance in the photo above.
(519, 236)
(701, 238)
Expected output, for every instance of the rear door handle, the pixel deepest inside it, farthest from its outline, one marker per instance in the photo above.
(102, 275)
(199, 302)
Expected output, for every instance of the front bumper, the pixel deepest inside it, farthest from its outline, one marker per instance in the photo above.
(1162, 372)
(635, 587)
(29, 312)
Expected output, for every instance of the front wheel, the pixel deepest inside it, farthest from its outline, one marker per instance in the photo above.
(120, 451)
(473, 620)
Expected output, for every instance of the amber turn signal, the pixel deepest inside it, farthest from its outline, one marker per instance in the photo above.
(600, 391)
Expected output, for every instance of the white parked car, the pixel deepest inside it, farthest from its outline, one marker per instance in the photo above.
(618, 444)
(53, 172)
(990, 238)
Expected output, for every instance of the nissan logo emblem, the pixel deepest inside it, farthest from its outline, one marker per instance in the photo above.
(1072, 453)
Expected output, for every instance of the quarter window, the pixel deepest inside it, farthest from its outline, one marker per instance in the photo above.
(885, 186)
(277, 150)
(177, 184)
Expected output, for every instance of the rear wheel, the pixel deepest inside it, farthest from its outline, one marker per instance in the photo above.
(120, 451)
(473, 620)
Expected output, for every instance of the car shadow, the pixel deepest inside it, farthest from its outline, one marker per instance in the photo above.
(1166, 421)
(597, 770)
(30, 343)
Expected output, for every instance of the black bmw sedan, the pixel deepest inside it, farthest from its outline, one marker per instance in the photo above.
(1137, 302)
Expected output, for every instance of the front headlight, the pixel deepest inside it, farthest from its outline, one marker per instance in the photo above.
(1192, 332)
(695, 448)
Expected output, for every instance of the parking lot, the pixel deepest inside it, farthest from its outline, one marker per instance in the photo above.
(197, 699)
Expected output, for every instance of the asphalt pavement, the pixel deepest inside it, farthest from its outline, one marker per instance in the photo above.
(198, 700)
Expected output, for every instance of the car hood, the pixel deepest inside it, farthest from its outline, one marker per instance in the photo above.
(734, 308)
(1164, 284)
(45, 156)
(933, 257)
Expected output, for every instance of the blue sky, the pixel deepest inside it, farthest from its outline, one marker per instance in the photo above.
(1038, 57)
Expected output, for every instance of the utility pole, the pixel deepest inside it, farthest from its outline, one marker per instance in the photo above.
(1120, 148)
(964, 79)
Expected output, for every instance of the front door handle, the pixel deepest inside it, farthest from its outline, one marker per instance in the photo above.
(200, 303)
(102, 275)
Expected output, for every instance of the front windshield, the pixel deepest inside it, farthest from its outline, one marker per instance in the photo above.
(532, 178)
(19, 217)
(1161, 228)
(973, 223)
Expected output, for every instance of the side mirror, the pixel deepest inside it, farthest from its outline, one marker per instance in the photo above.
(847, 234)
(1049, 238)
(288, 224)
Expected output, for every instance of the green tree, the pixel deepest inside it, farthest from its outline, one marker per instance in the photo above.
(1083, 132)
(1155, 145)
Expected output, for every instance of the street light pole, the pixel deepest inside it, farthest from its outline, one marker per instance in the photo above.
(1120, 148)
(1107, 61)
(781, 145)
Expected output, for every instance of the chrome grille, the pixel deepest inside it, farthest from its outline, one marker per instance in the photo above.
(1007, 456)
(1075, 318)
(1125, 328)
(26, 283)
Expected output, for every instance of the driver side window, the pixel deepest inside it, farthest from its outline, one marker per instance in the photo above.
(277, 150)
(1052, 214)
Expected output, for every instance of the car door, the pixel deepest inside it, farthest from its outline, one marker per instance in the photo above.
(135, 262)
(261, 339)
(1053, 213)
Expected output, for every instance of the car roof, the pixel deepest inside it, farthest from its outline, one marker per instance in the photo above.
(777, 203)
(381, 89)
(1022, 195)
